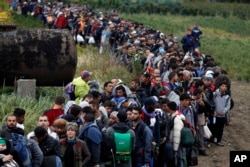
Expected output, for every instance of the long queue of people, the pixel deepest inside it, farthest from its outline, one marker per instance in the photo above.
(143, 119)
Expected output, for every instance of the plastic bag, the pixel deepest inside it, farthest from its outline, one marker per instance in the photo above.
(91, 40)
(207, 132)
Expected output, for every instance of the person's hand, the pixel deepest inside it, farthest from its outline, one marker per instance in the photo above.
(163, 140)
(7, 158)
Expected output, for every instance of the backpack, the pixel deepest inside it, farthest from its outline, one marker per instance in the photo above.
(108, 147)
(187, 133)
(21, 145)
(70, 91)
(123, 146)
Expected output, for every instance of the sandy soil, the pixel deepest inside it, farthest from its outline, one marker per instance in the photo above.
(236, 135)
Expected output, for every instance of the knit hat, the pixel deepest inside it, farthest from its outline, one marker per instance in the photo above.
(72, 126)
(172, 105)
(86, 74)
(2, 141)
(122, 116)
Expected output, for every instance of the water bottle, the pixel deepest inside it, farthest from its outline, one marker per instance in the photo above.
(214, 120)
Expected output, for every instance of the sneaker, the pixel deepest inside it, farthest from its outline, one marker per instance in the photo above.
(202, 152)
(215, 140)
(220, 144)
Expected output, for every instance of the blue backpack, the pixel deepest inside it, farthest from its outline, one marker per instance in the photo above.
(21, 145)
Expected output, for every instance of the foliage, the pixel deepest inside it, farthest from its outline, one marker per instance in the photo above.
(27, 21)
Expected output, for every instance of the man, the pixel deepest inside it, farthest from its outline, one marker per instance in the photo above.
(81, 85)
(20, 116)
(146, 83)
(56, 110)
(59, 127)
(107, 93)
(141, 155)
(10, 127)
(124, 103)
(158, 89)
(101, 119)
(121, 129)
(49, 146)
(139, 91)
(44, 122)
(91, 134)
(188, 42)
(173, 78)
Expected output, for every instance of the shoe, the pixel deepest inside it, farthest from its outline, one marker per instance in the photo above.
(215, 140)
(220, 144)
(203, 152)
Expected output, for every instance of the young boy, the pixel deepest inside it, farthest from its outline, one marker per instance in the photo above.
(222, 106)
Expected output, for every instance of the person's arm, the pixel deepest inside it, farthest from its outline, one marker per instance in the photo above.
(85, 153)
(147, 135)
(37, 154)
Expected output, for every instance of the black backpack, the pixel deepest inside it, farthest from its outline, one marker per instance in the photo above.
(108, 147)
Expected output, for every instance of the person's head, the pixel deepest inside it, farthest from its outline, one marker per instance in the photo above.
(157, 81)
(173, 76)
(97, 96)
(113, 118)
(108, 87)
(129, 113)
(3, 144)
(223, 87)
(185, 100)
(135, 83)
(207, 80)
(122, 116)
(71, 130)
(20, 115)
(59, 125)
(114, 81)
(121, 102)
(157, 72)
(197, 93)
(43, 121)
(86, 75)
(189, 32)
(136, 114)
(89, 117)
(60, 100)
(199, 84)
(11, 121)
(75, 110)
(88, 97)
(171, 107)
(163, 104)
(120, 91)
(149, 104)
(145, 77)
(186, 75)
(68, 106)
(108, 105)
(94, 106)
(40, 133)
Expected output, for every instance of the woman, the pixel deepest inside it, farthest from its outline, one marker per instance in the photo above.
(75, 151)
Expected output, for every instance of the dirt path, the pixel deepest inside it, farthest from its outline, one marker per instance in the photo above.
(237, 135)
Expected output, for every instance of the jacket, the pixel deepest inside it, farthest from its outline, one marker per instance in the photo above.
(50, 146)
(143, 143)
(222, 103)
(81, 152)
(92, 136)
(175, 132)
(36, 153)
(81, 88)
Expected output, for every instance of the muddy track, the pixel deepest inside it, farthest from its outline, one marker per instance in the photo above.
(237, 135)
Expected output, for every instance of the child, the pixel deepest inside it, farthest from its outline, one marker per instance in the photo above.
(6, 159)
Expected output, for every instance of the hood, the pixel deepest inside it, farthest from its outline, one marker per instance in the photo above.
(78, 81)
(121, 127)
(127, 90)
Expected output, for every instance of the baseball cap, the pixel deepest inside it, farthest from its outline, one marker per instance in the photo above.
(86, 74)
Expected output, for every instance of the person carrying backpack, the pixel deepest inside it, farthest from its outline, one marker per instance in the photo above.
(124, 138)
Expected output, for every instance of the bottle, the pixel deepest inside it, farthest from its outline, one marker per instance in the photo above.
(214, 120)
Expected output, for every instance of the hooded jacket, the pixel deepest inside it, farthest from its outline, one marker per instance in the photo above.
(222, 102)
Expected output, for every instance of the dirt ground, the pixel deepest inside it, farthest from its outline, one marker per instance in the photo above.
(236, 136)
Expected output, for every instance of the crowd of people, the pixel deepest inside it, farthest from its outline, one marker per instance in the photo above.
(144, 119)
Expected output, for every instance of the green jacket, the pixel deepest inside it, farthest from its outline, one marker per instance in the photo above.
(81, 88)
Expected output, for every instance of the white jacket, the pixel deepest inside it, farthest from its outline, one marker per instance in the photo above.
(175, 133)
